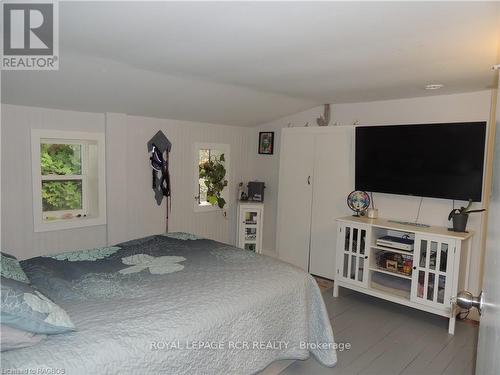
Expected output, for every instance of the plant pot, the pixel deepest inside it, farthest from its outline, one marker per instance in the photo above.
(460, 222)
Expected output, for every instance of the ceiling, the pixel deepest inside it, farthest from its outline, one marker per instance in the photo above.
(246, 63)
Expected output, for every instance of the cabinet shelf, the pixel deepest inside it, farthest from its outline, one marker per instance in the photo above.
(391, 294)
(250, 226)
(390, 249)
(397, 274)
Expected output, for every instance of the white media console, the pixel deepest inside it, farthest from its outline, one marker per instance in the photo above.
(426, 278)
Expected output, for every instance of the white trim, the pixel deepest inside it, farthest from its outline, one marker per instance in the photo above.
(70, 137)
(56, 177)
(225, 149)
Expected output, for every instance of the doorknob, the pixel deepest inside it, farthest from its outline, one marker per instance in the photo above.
(309, 180)
(467, 301)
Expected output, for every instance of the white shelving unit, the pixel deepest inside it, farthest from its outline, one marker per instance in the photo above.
(426, 278)
(250, 225)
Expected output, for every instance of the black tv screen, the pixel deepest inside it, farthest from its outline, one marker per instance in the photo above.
(427, 160)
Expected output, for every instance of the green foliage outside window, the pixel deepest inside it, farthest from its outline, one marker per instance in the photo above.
(61, 159)
(213, 173)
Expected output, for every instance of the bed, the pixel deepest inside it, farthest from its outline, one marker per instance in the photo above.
(176, 304)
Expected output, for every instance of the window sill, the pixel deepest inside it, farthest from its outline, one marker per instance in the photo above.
(208, 208)
(52, 225)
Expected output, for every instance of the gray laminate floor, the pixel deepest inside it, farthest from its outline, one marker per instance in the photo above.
(388, 339)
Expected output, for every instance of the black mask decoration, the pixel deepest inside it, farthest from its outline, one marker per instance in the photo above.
(159, 148)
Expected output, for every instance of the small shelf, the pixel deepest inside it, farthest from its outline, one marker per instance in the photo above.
(397, 274)
(391, 294)
(409, 253)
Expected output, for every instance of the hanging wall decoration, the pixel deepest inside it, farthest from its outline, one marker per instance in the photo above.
(159, 148)
(266, 143)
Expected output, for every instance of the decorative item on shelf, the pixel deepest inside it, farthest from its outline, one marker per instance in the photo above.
(241, 192)
(266, 143)
(391, 265)
(407, 266)
(325, 119)
(372, 212)
(358, 201)
(213, 172)
(256, 191)
(394, 262)
(461, 215)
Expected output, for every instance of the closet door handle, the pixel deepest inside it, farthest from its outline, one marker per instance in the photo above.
(309, 180)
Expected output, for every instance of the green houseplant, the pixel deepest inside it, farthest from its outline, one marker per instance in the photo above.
(213, 173)
(461, 215)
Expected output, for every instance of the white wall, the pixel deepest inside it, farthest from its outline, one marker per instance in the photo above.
(473, 106)
(131, 209)
(18, 236)
(129, 177)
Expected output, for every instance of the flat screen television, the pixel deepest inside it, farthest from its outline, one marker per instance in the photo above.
(428, 160)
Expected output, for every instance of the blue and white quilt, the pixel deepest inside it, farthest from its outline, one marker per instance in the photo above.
(176, 304)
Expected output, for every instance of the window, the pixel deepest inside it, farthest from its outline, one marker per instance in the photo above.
(68, 179)
(204, 152)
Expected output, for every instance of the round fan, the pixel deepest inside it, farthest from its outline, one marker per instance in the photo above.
(358, 201)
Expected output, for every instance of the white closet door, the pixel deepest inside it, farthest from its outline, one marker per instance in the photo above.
(295, 197)
(333, 181)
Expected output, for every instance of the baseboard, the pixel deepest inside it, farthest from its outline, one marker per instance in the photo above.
(271, 253)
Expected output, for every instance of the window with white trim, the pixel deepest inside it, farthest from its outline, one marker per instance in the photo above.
(203, 153)
(68, 179)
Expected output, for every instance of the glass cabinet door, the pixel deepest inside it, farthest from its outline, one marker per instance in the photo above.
(432, 271)
(354, 263)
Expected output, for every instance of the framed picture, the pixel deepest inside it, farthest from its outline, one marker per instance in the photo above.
(266, 143)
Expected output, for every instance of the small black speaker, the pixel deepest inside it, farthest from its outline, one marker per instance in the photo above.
(256, 191)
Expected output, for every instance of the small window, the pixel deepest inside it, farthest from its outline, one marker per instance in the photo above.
(205, 153)
(68, 179)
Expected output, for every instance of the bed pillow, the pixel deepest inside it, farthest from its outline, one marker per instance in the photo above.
(25, 308)
(11, 269)
(12, 338)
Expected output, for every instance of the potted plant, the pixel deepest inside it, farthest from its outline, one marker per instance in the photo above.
(461, 215)
(213, 173)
